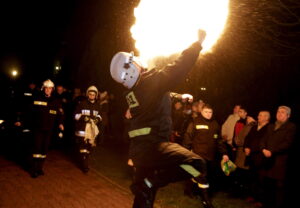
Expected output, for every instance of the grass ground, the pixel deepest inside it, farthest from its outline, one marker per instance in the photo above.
(111, 161)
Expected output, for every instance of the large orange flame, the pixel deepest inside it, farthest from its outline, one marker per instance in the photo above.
(165, 27)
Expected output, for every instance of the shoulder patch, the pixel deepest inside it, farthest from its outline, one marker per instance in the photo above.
(131, 100)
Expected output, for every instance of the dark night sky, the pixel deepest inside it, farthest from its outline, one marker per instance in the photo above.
(32, 33)
(256, 61)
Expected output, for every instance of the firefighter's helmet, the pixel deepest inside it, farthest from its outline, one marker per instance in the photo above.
(48, 83)
(125, 68)
(92, 89)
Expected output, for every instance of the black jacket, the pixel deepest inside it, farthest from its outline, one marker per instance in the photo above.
(88, 111)
(203, 138)
(149, 100)
(46, 112)
(279, 142)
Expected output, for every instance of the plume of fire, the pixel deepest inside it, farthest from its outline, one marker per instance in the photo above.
(165, 27)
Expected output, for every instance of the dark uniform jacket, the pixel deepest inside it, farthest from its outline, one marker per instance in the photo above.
(252, 141)
(203, 138)
(150, 104)
(88, 111)
(46, 111)
(279, 142)
(149, 100)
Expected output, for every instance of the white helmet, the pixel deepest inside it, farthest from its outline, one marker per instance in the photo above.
(48, 83)
(123, 70)
(92, 89)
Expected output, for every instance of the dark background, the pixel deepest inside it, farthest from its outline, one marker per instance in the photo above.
(255, 63)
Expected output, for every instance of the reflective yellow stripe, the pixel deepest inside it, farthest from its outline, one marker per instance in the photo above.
(53, 112)
(38, 156)
(84, 151)
(40, 103)
(191, 170)
(200, 185)
(27, 94)
(139, 132)
(201, 127)
(80, 133)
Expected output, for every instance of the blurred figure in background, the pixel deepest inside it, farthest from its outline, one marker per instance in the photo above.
(87, 125)
(180, 115)
(46, 111)
(104, 103)
(59, 139)
(241, 174)
(227, 130)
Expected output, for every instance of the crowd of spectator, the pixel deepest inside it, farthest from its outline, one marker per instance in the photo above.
(258, 147)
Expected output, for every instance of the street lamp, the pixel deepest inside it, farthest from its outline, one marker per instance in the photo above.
(57, 69)
(14, 73)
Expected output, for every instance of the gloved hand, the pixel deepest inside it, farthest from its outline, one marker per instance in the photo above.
(97, 120)
(187, 97)
(201, 36)
(87, 119)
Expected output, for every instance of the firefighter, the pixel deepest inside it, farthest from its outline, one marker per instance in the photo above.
(87, 125)
(47, 112)
(202, 137)
(157, 162)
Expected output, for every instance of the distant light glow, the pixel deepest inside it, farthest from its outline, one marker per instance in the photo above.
(14, 73)
(165, 27)
(57, 69)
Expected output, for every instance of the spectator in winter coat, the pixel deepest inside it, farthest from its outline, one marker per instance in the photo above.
(203, 138)
(276, 146)
(254, 156)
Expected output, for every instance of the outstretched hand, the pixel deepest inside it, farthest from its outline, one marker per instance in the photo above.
(201, 35)
(187, 97)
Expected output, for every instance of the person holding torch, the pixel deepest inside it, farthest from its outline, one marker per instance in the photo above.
(157, 161)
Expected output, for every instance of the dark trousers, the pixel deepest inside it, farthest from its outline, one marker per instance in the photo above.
(162, 163)
(274, 193)
(83, 151)
(41, 141)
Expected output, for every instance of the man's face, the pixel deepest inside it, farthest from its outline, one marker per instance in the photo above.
(48, 91)
(236, 109)
(207, 113)
(59, 89)
(242, 113)
(282, 115)
(195, 108)
(92, 95)
(77, 92)
(32, 86)
(178, 105)
(200, 106)
(263, 117)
